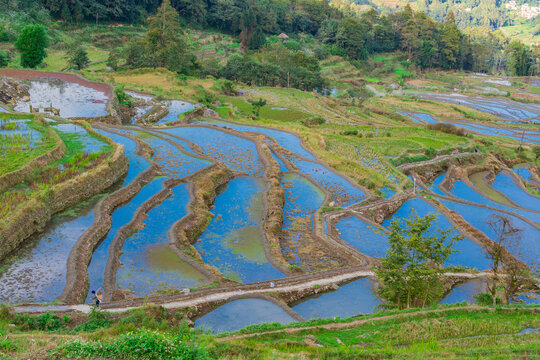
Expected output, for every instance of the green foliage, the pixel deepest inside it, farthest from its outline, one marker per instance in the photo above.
(122, 96)
(4, 59)
(113, 60)
(257, 105)
(97, 320)
(31, 43)
(77, 57)
(521, 58)
(486, 299)
(144, 344)
(411, 270)
(43, 322)
(228, 88)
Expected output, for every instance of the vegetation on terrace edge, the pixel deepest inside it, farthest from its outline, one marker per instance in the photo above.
(151, 332)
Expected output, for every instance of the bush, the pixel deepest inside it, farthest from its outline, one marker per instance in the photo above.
(486, 299)
(145, 344)
(98, 320)
(43, 322)
(350, 132)
(313, 121)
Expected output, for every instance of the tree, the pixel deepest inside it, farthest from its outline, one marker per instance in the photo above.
(77, 58)
(351, 37)
(520, 61)
(506, 236)
(450, 43)
(31, 43)
(4, 59)
(113, 59)
(257, 105)
(410, 273)
(165, 43)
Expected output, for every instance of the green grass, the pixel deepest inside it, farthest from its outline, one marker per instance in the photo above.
(13, 160)
(266, 111)
(432, 335)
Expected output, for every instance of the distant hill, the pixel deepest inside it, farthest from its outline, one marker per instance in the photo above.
(492, 14)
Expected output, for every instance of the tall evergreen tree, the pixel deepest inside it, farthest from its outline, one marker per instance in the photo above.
(450, 43)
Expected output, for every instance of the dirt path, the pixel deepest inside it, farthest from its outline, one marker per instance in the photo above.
(346, 325)
(226, 294)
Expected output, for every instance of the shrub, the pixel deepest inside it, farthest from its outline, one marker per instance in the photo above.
(486, 299)
(350, 132)
(98, 320)
(145, 344)
(313, 121)
(43, 322)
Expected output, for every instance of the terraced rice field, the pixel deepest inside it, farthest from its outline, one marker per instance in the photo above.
(264, 217)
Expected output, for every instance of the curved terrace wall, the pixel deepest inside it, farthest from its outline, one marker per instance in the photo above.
(34, 215)
(18, 176)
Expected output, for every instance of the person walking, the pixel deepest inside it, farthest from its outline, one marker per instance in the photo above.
(97, 296)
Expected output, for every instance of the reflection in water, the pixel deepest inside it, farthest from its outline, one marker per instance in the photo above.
(176, 107)
(233, 241)
(350, 299)
(241, 313)
(36, 272)
(465, 292)
(468, 253)
(140, 272)
(89, 142)
(73, 100)
(120, 217)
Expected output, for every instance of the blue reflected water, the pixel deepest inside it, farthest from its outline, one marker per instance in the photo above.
(302, 199)
(435, 186)
(237, 153)
(286, 140)
(508, 186)
(528, 247)
(137, 164)
(37, 271)
(465, 292)
(149, 265)
(523, 172)
(176, 107)
(463, 191)
(350, 299)
(238, 314)
(233, 241)
(468, 253)
(120, 217)
(367, 238)
(173, 162)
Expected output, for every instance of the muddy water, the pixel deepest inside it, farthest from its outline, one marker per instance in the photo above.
(148, 264)
(36, 272)
(508, 185)
(89, 143)
(120, 217)
(233, 241)
(173, 162)
(237, 153)
(238, 314)
(527, 248)
(176, 107)
(462, 191)
(465, 292)
(468, 253)
(350, 299)
(73, 100)
(137, 164)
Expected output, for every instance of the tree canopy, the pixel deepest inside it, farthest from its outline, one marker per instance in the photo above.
(31, 44)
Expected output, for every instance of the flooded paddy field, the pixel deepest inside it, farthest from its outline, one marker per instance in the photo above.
(72, 95)
(36, 272)
(176, 107)
(233, 242)
(148, 264)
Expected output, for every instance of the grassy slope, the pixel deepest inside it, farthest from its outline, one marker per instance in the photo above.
(443, 332)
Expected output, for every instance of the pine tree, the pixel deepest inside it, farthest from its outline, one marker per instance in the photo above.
(450, 43)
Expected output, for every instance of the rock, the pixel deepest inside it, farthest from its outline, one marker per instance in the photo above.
(210, 113)
(216, 103)
(241, 92)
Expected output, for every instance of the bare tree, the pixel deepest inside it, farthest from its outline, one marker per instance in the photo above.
(507, 236)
